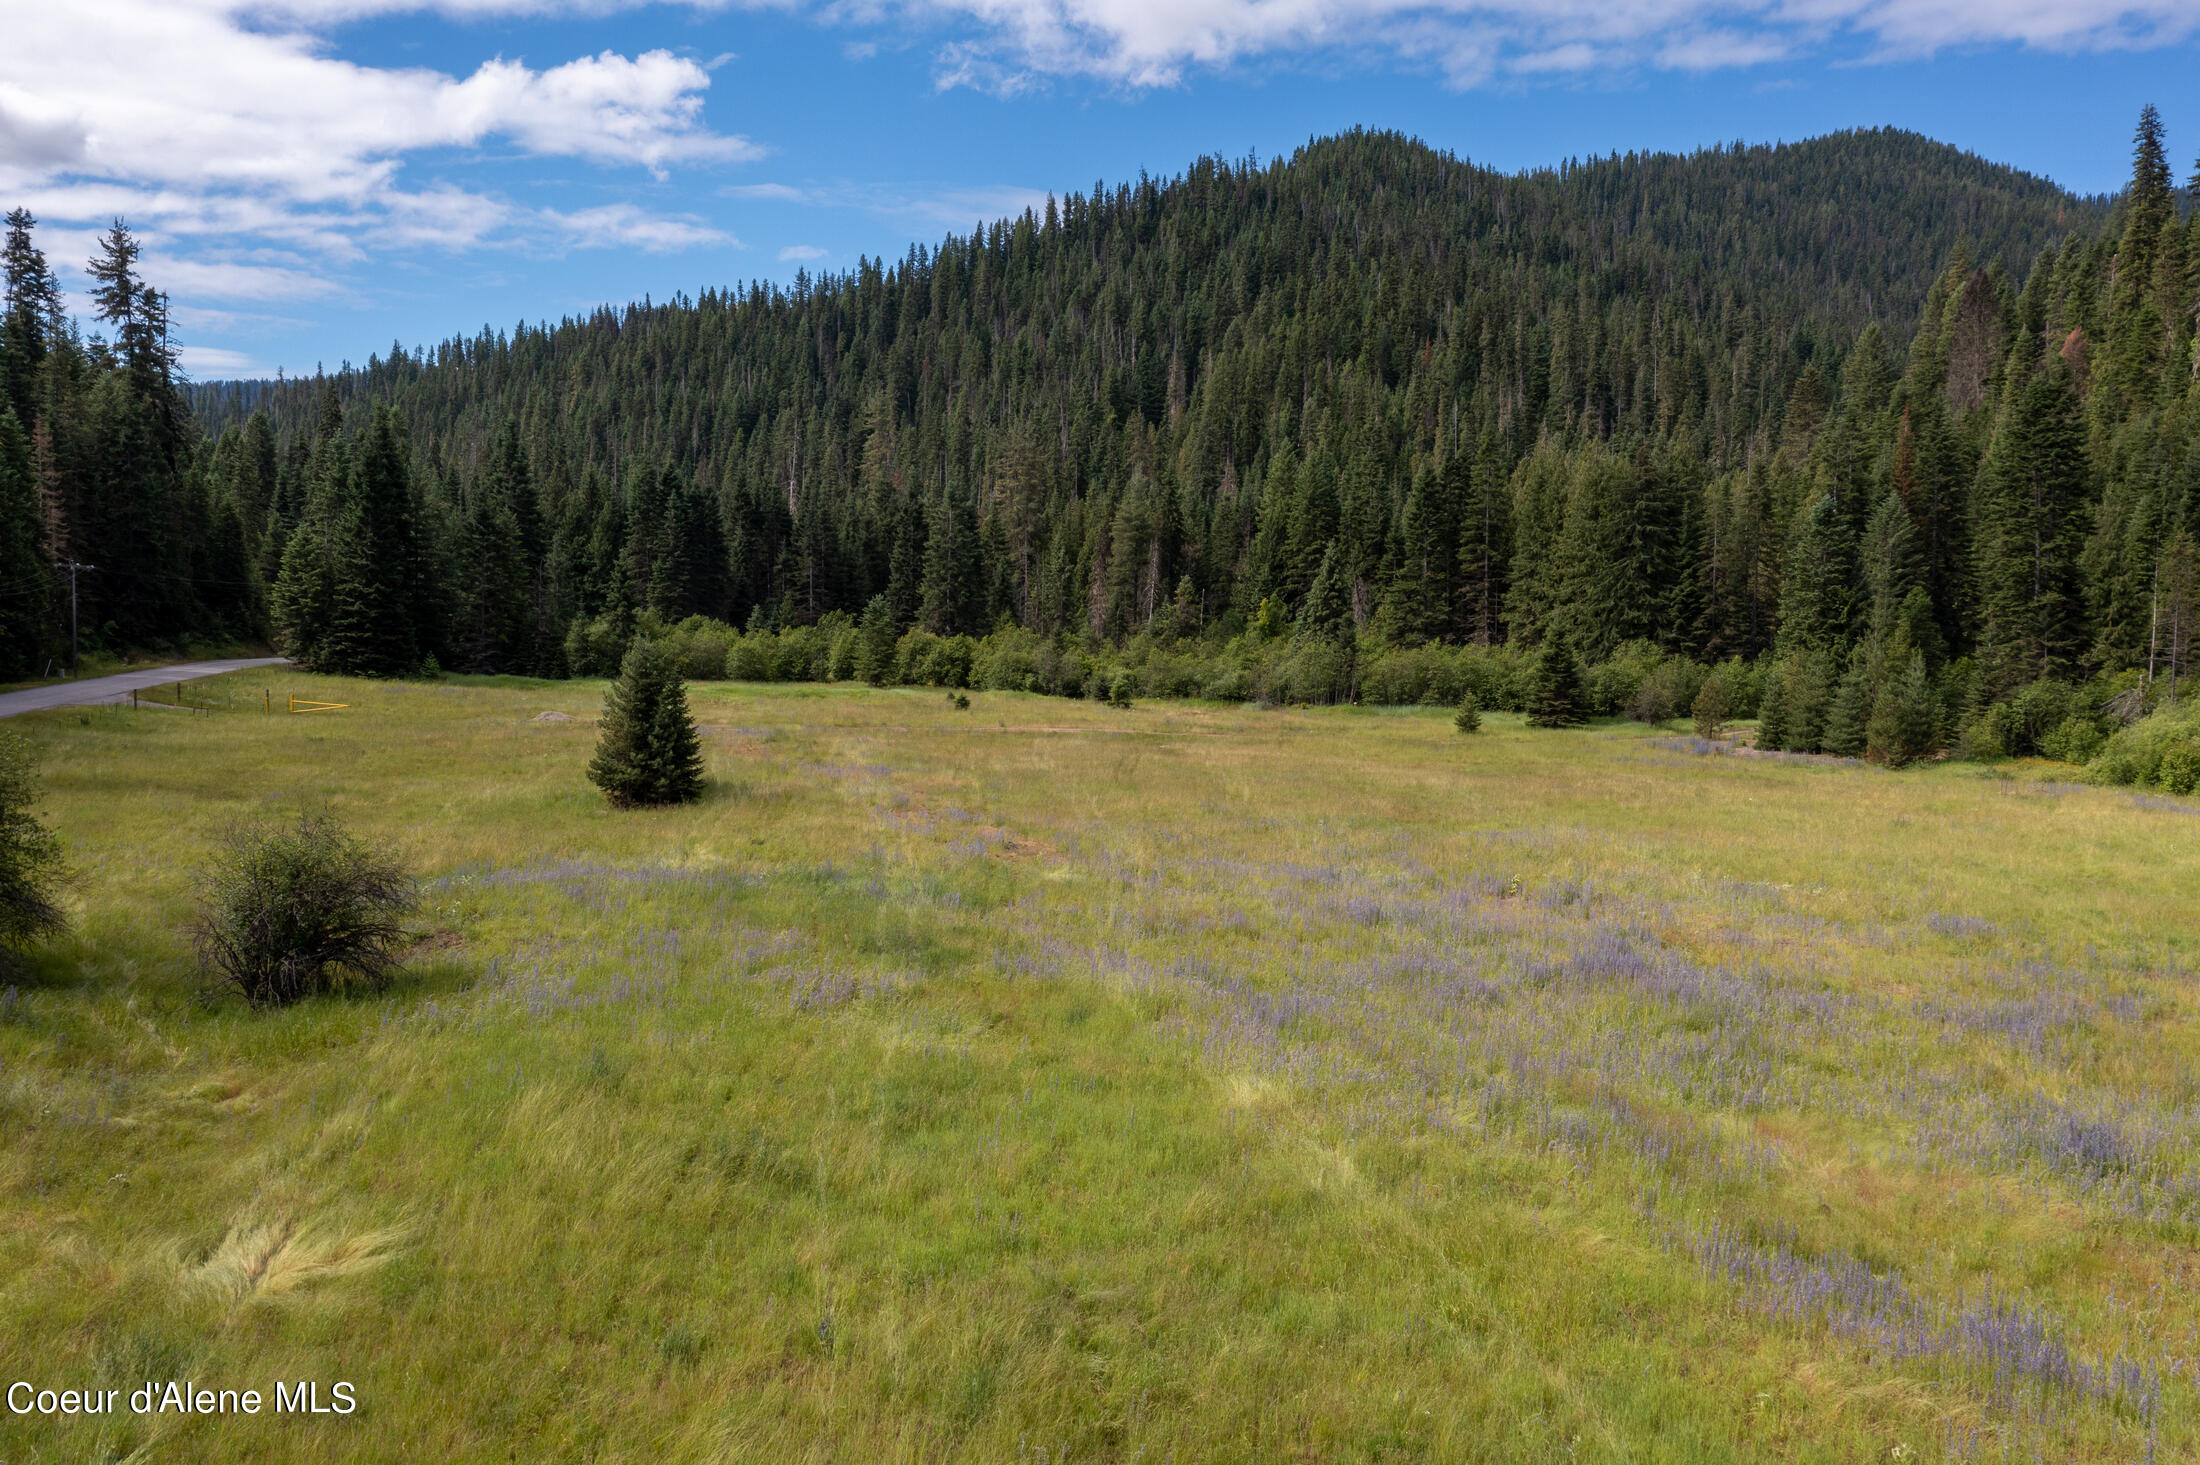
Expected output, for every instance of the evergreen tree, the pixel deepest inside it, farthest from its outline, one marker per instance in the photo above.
(30, 856)
(2176, 612)
(25, 577)
(1539, 488)
(1184, 611)
(875, 637)
(690, 574)
(30, 315)
(1772, 718)
(390, 602)
(1850, 711)
(2132, 363)
(1419, 604)
(1485, 540)
(494, 607)
(1807, 698)
(1327, 613)
(1557, 698)
(1904, 716)
(1816, 595)
(306, 600)
(905, 573)
(1613, 560)
(647, 751)
(2030, 509)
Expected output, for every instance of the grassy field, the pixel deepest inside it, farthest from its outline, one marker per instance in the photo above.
(1045, 1083)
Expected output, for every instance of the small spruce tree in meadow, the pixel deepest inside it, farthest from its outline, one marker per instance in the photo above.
(1469, 717)
(1557, 699)
(647, 752)
(1711, 707)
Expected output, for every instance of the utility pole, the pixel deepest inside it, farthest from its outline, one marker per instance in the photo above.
(72, 567)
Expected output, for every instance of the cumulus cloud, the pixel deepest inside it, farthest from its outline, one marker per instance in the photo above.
(254, 162)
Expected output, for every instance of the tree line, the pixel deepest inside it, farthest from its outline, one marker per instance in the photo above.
(102, 464)
(1831, 408)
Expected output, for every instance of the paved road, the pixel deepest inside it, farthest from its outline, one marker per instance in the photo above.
(118, 688)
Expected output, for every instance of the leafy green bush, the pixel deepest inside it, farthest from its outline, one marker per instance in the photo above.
(700, 646)
(1668, 691)
(1745, 685)
(1173, 674)
(2161, 750)
(594, 647)
(1315, 671)
(922, 659)
(2074, 740)
(1414, 676)
(1711, 706)
(1610, 688)
(754, 658)
(30, 855)
(1231, 682)
(289, 911)
(1007, 661)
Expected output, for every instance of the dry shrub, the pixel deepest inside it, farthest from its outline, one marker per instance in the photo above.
(292, 910)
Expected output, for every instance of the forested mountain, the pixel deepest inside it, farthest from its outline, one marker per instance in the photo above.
(1214, 378)
(1835, 403)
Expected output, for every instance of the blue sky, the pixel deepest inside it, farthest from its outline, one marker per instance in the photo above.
(316, 178)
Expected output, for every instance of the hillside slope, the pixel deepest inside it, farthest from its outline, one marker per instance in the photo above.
(1190, 390)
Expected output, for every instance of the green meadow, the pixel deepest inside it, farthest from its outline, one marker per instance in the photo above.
(1043, 1082)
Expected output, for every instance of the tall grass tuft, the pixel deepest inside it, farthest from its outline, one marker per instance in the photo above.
(289, 911)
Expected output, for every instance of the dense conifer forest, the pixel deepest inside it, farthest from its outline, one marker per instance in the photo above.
(1894, 441)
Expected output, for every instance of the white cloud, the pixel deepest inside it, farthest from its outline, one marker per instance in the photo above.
(1011, 44)
(214, 363)
(617, 224)
(773, 192)
(962, 208)
(800, 251)
(955, 208)
(252, 161)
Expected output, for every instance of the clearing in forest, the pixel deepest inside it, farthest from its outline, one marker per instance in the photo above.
(1044, 1081)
